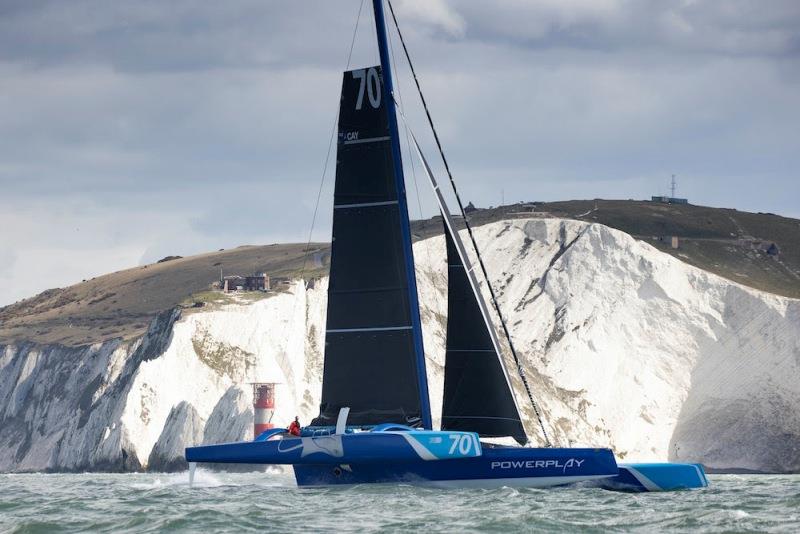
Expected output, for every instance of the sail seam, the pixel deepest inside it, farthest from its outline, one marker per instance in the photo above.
(364, 205)
(479, 417)
(367, 140)
(376, 329)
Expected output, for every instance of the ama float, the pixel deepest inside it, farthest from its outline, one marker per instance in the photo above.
(374, 424)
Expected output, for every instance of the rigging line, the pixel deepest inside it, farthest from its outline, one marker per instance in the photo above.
(330, 144)
(517, 361)
(467, 267)
(322, 179)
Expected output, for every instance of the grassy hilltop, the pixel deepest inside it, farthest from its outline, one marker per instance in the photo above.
(726, 242)
(121, 304)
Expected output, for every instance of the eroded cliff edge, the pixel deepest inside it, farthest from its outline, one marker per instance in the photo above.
(626, 347)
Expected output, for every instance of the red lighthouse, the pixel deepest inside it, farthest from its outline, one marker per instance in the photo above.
(263, 406)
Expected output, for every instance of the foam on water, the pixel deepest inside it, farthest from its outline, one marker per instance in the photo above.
(202, 479)
(225, 502)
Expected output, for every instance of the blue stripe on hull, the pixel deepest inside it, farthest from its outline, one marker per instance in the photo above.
(496, 467)
(657, 477)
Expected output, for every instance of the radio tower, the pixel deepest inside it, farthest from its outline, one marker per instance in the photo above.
(672, 187)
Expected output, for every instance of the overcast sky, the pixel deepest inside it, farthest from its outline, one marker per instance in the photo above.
(134, 130)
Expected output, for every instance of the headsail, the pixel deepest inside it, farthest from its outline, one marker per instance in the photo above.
(371, 361)
(476, 392)
(477, 389)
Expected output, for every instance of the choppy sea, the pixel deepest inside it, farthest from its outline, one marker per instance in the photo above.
(226, 502)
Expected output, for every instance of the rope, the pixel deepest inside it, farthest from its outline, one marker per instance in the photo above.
(330, 146)
(495, 303)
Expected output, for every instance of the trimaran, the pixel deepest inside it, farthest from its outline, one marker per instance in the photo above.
(375, 424)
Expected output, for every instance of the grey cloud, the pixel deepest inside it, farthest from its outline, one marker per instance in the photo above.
(173, 128)
(738, 27)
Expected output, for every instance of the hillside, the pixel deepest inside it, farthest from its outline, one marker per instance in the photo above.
(726, 242)
(121, 305)
(624, 346)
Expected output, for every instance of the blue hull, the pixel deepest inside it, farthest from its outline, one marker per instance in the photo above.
(390, 454)
(335, 449)
(656, 477)
(499, 466)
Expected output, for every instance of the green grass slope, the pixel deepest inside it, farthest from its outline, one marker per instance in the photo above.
(723, 241)
(121, 304)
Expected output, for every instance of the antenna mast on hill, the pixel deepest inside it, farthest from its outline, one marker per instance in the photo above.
(672, 187)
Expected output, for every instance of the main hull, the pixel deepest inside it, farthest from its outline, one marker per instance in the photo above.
(390, 454)
(499, 466)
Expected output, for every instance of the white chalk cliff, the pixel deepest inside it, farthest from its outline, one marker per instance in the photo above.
(624, 346)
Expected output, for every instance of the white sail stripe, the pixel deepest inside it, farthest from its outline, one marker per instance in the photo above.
(477, 417)
(378, 329)
(364, 204)
(367, 140)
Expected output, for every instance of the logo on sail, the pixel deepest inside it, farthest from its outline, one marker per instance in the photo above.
(348, 137)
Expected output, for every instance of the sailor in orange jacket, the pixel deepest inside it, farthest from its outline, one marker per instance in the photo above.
(294, 427)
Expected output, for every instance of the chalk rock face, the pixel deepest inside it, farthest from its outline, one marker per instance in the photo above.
(631, 348)
(62, 407)
(623, 346)
(183, 427)
(107, 406)
(231, 419)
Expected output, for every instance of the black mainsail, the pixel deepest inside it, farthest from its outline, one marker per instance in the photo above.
(372, 360)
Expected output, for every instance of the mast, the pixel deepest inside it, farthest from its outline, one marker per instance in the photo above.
(405, 227)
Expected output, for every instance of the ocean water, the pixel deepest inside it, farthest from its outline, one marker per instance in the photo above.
(223, 502)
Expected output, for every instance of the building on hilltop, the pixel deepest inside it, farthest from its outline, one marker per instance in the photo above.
(255, 282)
(669, 200)
(759, 245)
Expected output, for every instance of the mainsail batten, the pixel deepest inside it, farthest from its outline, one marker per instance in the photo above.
(371, 364)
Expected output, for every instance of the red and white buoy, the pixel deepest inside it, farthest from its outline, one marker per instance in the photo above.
(263, 406)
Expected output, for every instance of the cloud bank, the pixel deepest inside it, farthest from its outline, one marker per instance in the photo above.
(136, 130)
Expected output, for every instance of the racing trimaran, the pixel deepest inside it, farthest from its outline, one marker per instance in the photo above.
(375, 423)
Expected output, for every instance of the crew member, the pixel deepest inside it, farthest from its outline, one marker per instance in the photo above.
(294, 426)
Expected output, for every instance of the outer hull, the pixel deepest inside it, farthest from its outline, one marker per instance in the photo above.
(656, 477)
(499, 466)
